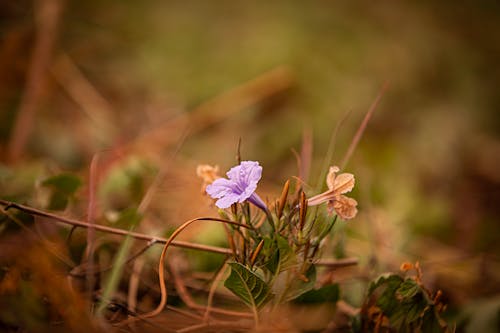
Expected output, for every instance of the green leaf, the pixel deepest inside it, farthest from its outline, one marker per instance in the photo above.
(329, 293)
(63, 187)
(408, 312)
(287, 258)
(247, 285)
(282, 256)
(65, 183)
(383, 280)
(386, 287)
(408, 289)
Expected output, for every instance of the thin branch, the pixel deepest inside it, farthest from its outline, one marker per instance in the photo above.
(337, 263)
(116, 231)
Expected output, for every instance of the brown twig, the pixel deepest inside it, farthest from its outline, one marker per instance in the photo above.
(160, 240)
(116, 231)
(337, 263)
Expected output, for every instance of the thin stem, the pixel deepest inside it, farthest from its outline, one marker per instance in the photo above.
(116, 231)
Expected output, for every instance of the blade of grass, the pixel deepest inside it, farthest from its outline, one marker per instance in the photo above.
(111, 283)
(362, 127)
(329, 154)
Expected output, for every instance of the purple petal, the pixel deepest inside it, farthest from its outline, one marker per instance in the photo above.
(226, 201)
(220, 187)
(240, 186)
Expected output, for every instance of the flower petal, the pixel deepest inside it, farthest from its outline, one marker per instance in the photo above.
(345, 207)
(227, 200)
(343, 183)
(322, 197)
(330, 178)
(240, 186)
(220, 187)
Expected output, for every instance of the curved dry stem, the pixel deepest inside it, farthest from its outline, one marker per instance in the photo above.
(161, 265)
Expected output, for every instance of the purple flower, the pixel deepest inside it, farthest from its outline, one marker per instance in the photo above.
(240, 186)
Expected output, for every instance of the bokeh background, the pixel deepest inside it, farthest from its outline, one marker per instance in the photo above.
(167, 85)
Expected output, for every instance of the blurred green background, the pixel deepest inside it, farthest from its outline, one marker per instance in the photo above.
(427, 167)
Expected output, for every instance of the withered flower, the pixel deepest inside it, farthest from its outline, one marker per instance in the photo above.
(208, 174)
(345, 207)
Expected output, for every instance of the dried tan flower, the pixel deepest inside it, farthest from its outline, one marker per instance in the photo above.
(345, 207)
(208, 174)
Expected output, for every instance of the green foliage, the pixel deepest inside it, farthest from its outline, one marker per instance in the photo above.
(63, 187)
(404, 304)
(282, 255)
(247, 286)
(329, 293)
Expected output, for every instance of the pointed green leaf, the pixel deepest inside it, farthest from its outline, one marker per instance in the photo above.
(247, 285)
(287, 258)
(282, 256)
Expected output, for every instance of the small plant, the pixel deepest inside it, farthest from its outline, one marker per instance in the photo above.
(398, 303)
(274, 254)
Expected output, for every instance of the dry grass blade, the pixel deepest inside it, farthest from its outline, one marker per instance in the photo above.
(88, 98)
(47, 15)
(362, 127)
(306, 153)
